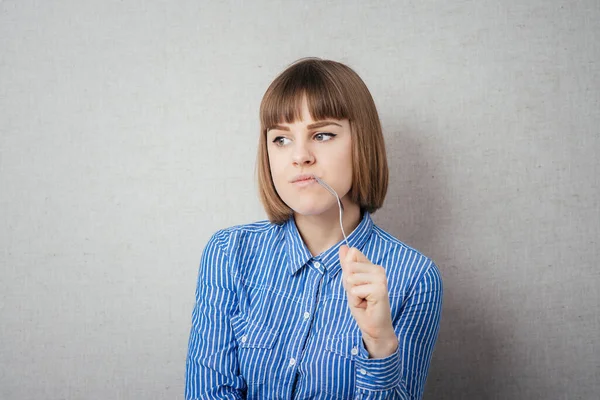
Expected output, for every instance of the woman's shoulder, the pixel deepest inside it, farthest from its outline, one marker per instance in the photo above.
(403, 259)
(392, 242)
(239, 235)
(253, 227)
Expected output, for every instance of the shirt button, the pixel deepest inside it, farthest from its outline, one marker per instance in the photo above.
(244, 339)
(317, 264)
(292, 362)
(306, 315)
(354, 351)
(363, 371)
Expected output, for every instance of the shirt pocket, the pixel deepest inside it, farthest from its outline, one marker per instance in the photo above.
(346, 346)
(255, 349)
(249, 335)
(341, 351)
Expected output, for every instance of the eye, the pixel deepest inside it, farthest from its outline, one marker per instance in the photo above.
(324, 136)
(281, 141)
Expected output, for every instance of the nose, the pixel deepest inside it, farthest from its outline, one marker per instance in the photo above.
(302, 155)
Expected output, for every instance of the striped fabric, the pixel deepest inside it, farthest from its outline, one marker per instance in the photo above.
(272, 322)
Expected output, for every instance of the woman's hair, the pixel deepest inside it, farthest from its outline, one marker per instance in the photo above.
(332, 90)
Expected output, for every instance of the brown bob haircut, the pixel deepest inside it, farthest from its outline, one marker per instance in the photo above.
(332, 90)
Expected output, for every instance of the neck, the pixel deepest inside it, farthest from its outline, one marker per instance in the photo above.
(320, 232)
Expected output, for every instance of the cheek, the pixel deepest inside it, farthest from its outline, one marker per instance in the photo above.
(343, 158)
(275, 166)
(346, 161)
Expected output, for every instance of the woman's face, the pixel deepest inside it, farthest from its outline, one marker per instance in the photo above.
(308, 147)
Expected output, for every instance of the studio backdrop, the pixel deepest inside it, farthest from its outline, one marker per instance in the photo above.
(128, 132)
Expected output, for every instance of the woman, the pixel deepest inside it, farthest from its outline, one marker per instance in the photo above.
(284, 308)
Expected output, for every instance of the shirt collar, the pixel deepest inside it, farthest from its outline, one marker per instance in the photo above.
(298, 254)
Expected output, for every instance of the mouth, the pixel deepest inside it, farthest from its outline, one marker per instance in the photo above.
(303, 180)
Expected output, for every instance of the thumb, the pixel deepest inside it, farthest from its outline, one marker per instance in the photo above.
(343, 252)
(356, 255)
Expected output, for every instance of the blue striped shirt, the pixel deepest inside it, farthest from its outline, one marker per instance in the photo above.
(272, 322)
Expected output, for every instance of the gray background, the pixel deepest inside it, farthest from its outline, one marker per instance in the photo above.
(128, 136)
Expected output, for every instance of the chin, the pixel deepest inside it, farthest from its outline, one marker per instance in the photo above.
(307, 212)
(311, 209)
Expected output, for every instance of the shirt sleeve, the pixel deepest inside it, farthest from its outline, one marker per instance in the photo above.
(212, 370)
(402, 375)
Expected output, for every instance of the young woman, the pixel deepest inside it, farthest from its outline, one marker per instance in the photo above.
(284, 308)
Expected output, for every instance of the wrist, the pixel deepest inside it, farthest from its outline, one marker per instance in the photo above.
(381, 347)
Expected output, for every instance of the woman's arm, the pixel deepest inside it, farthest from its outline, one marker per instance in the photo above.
(405, 371)
(399, 373)
(212, 370)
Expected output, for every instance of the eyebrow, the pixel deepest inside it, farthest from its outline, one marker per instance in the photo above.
(316, 125)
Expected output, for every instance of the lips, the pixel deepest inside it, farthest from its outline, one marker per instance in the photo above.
(303, 178)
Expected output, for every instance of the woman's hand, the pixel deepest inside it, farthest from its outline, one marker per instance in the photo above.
(366, 287)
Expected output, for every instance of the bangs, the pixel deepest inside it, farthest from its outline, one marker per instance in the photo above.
(282, 102)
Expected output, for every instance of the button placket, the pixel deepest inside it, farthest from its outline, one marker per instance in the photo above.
(306, 316)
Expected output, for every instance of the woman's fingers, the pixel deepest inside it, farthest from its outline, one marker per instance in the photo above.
(367, 286)
(358, 267)
(358, 279)
(367, 291)
(362, 278)
(351, 254)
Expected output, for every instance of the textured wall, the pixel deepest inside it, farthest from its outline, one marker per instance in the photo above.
(128, 131)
